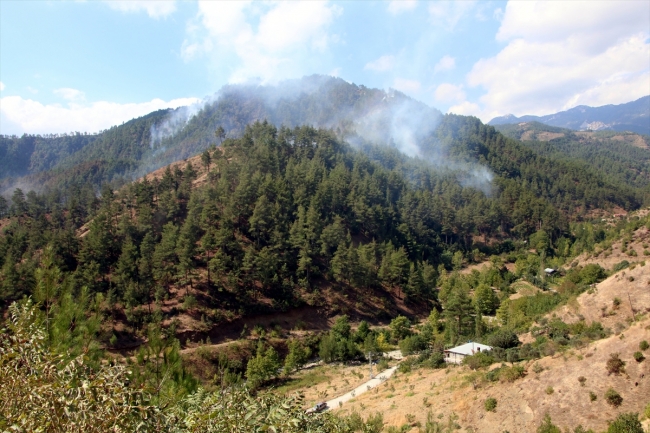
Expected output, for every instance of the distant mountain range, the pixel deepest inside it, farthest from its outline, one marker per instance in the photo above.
(633, 116)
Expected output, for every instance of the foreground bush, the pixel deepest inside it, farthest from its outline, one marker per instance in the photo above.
(613, 398)
(626, 423)
(490, 404)
(42, 392)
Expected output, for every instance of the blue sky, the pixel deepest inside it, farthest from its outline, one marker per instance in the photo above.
(85, 66)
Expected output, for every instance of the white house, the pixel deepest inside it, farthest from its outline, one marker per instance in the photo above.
(456, 354)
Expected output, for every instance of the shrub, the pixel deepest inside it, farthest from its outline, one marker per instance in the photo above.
(189, 302)
(549, 390)
(613, 398)
(644, 345)
(510, 374)
(622, 265)
(400, 328)
(592, 273)
(647, 411)
(638, 356)
(404, 367)
(582, 380)
(547, 426)
(375, 423)
(412, 344)
(504, 339)
(528, 351)
(478, 360)
(435, 360)
(592, 396)
(490, 404)
(626, 423)
(537, 368)
(615, 365)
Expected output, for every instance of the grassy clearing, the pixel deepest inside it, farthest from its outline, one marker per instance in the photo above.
(305, 380)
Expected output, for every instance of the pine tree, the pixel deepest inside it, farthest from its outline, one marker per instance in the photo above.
(458, 313)
(126, 269)
(48, 280)
(260, 222)
(206, 159)
(208, 244)
(339, 264)
(485, 299)
(164, 255)
(186, 248)
(415, 285)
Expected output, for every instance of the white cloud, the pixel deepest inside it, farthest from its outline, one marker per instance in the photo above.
(2, 86)
(446, 63)
(467, 108)
(70, 94)
(154, 8)
(32, 90)
(384, 63)
(407, 86)
(562, 54)
(449, 93)
(398, 6)
(336, 72)
(279, 46)
(29, 116)
(449, 13)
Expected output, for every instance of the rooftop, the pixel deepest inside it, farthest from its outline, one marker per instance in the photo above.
(469, 348)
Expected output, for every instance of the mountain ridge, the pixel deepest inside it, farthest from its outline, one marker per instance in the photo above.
(632, 116)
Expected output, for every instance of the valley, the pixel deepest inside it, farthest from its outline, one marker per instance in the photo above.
(238, 255)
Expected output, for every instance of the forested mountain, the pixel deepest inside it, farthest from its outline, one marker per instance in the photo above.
(279, 211)
(369, 219)
(632, 116)
(621, 157)
(144, 144)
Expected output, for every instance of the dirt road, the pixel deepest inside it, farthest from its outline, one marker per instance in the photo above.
(365, 387)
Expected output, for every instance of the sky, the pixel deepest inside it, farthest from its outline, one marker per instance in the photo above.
(87, 65)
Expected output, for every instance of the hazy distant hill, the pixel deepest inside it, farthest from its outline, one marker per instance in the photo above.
(633, 116)
(620, 156)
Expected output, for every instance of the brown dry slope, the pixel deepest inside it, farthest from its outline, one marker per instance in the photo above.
(630, 287)
(555, 389)
(521, 405)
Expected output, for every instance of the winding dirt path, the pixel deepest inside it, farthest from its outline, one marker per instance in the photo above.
(367, 386)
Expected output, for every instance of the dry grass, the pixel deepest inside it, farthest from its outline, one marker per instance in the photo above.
(327, 381)
(521, 404)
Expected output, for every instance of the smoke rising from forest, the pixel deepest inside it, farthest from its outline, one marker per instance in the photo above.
(358, 114)
(174, 122)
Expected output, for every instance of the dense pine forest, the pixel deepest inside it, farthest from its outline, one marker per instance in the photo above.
(266, 219)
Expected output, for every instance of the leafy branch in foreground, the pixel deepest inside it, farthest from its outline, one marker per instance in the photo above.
(44, 392)
(40, 392)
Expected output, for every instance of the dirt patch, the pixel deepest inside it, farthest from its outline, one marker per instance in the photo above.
(523, 288)
(4, 222)
(476, 267)
(633, 139)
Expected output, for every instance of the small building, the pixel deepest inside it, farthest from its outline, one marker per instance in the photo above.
(550, 271)
(456, 354)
